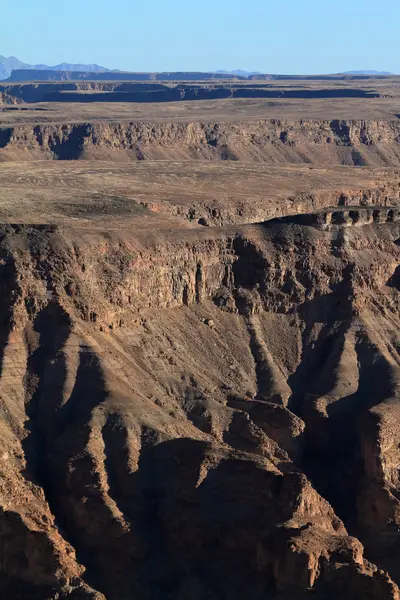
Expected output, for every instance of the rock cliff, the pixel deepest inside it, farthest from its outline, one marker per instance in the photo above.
(271, 141)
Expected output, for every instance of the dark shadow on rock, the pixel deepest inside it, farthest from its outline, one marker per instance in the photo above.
(44, 384)
(5, 136)
(8, 293)
(59, 432)
(71, 146)
(394, 280)
(332, 456)
(249, 268)
(89, 390)
(205, 530)
(333, 311)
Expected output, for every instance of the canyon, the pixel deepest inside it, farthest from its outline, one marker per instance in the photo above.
(199, 349)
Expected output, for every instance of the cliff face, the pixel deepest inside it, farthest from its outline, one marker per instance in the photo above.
(167, 402)
(271, 141)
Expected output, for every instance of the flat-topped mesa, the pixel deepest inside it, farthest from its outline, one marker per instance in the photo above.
(347, 217)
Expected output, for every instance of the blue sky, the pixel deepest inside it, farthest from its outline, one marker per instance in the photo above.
(285, 36)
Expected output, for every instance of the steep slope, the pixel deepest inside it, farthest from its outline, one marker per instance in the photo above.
(174, 402)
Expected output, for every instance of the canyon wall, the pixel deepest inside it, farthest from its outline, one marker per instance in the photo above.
(167, 400)
(270, 141)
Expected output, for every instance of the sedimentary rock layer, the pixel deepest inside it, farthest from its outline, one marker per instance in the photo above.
(270, 141)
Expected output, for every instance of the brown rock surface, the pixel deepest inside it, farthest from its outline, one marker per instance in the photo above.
(322, 141)
(191, 412)
(177, 458)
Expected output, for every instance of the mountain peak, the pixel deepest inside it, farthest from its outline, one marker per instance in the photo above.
(8, 64)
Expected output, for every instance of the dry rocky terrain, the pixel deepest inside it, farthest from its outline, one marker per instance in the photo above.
(199, 354)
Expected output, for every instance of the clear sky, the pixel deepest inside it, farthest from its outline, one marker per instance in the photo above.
(277, 36)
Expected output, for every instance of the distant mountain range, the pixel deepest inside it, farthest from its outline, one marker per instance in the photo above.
(240, 72)
(366, 72)
(9, 64)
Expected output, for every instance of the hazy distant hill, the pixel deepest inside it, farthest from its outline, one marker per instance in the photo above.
(367, 72)
(239, 72)
(9, 64)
